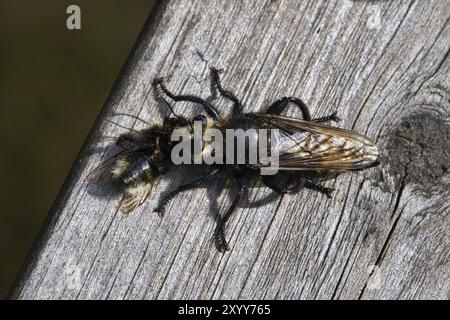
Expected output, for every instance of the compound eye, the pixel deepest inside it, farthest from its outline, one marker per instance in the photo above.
(201, 118)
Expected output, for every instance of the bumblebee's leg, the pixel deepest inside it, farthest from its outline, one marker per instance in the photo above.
(221, 242)
(373, 165)
(209, 108)
(313, 185)
(331, 117)
(191, 185)
(238, 106)
(280, 188)
(278, 106)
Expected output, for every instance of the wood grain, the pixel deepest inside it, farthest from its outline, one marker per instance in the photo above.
(383, 65)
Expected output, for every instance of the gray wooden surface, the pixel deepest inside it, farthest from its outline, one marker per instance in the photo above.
(383, 65)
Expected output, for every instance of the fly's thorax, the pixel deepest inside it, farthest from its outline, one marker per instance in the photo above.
(246, 143)
(207, 141)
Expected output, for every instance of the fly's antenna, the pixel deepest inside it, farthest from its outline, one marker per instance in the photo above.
(121, 126)
(131, 116)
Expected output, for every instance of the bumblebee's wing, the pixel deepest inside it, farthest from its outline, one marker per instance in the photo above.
(135, 195)
(110, 168)
(305, 145)
(113, 168)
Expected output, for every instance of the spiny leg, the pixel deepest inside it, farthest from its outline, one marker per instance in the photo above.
(331, 117)
(210, 110)
(374, 164)
(313, 185)
(238, 106)
(278, 106)
(280, 188)
(221, 242)
(293, 188)
(191, 185)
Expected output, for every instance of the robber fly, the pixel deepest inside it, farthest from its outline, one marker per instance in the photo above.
(307, 149)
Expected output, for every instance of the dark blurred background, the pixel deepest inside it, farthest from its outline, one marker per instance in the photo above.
(53, 82)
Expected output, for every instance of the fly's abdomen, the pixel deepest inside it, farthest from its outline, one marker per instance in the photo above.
(132, 168)
(141, 168)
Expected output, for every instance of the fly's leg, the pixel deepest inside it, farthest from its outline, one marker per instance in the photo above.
(373, 165)
(161, 209)
(238, 106)
(221, 242)
(281, 188)
(313, 185)
(287, 188)
(209, 109)
(192, 185)
(278, 106)
(331, 117)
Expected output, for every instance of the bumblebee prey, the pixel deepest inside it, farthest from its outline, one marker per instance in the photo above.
(307, 151)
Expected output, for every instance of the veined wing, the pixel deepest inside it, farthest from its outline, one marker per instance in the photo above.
(305, 145)
(117, 167)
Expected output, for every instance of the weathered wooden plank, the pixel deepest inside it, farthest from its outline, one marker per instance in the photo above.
(383, 65)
